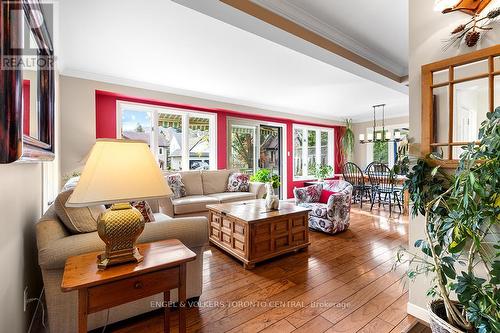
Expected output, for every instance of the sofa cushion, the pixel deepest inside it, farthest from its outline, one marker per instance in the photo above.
(192, 182)
(232, 196)
(159, 217)
(193, 204)
(77, 220)
(215, 181)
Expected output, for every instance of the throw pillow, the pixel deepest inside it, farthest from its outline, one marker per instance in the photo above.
(238, 182)
(77, 219)
(176, 185)
(145, 209)
(325, 195)
(309, 194)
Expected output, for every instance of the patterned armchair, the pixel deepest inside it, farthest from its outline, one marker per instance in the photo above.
(333, 216)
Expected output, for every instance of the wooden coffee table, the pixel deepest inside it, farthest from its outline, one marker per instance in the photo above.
(251, 233)
(163, 269)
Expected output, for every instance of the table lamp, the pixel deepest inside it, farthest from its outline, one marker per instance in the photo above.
(118, 172)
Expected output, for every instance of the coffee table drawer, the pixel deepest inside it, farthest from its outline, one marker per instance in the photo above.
(122, 291)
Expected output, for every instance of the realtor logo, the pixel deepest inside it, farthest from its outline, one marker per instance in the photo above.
(26, 35)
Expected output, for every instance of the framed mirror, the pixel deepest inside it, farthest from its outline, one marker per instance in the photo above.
(27, 96)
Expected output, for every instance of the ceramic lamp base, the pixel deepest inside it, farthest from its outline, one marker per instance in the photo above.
(119, 227)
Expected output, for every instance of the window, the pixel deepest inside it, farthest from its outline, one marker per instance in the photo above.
(386, 152)
(457, 94)
(180, 140)
(311, 146)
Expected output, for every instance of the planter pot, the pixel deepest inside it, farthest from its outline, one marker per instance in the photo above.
(438, 322)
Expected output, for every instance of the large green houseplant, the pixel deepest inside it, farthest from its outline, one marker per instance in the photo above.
(461, 250)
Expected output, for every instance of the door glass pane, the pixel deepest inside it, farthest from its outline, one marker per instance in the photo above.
(496, 102)
(136, 125)
(496, 62)
(269, 155)
(468, 70)
(324, 148)
(170, 141)
(242, 148)
(440, 115)
(311, 152)
(380, 149)
(469, 111)
(298, 140)
(199, 143)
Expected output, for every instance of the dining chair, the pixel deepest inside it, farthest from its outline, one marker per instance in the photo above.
(382, 182)
(353, 174)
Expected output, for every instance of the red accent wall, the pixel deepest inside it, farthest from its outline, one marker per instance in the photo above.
(26, 107)
(106, 127)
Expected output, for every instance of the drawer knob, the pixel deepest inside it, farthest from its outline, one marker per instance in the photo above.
(138, 285)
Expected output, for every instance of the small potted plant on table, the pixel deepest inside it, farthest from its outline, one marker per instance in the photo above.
(460, 250)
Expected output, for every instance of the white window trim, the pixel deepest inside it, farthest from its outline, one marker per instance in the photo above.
(156, 110)
(317, 158)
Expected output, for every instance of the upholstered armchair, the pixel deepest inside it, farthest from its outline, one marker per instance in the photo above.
(330, 217)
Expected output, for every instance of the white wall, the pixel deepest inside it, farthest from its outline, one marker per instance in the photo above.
(21, 198)
(427, 30)
(77, 101)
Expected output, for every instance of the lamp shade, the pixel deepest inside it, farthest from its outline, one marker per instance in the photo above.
(119, 171)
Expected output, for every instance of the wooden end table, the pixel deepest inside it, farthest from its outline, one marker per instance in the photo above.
(163, 269)
(251, 233)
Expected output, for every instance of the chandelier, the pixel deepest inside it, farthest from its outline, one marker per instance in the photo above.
(380, 136)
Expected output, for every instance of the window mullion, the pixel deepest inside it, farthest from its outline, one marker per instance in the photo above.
(317, 159)
(185, 142)
(155, 130)
(304, 152)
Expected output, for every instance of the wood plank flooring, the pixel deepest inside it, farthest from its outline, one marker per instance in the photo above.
(342, 283)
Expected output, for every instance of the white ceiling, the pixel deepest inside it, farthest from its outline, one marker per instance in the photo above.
(177, 49)
(375, 29)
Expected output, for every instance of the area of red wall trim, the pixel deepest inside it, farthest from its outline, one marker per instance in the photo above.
(106, 127)
(26, 107)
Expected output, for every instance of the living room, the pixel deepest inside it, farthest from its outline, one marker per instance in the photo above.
(250, 166)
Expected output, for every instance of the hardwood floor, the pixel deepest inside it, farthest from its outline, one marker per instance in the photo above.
(342, 283)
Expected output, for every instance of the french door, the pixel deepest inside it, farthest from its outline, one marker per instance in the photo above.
(253, 145)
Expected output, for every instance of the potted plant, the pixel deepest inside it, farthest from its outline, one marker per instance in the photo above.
(266, 176)
(322, 172)
(348, 140)
(461, 248)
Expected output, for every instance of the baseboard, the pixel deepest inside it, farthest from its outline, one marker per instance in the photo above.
(418, 312)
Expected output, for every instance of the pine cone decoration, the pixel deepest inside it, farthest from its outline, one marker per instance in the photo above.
(472, 37)
(493, 13)
(458, 29)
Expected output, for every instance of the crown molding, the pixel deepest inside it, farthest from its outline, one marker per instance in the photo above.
(298, 15)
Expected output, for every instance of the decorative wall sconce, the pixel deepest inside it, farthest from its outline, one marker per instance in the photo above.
(476, 27)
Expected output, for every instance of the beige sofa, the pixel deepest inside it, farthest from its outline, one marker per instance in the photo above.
(56, 244)
(204, 188)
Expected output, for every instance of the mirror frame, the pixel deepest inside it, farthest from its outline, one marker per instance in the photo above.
(14, 145)
(428, 127)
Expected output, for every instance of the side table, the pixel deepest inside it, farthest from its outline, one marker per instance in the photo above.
(163, 269)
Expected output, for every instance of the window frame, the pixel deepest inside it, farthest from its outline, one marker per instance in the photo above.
(331, 149)
(185, 114)
(427, 72)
